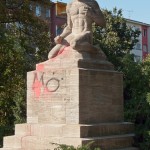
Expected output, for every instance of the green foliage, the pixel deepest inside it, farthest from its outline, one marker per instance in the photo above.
(24, 41)
(83, 147)
(137, 106)
(12, 81)
(117, 39)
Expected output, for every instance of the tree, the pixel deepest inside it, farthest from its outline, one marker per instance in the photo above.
(33, 31)
(137, 108)
(117, 41)
(24, 41)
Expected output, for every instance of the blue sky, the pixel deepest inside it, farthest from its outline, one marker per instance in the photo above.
(138, 10)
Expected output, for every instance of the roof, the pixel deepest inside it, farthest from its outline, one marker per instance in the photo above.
(58, 2)
(137, 22)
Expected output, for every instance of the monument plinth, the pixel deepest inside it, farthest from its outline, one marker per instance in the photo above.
(73, 105)
(76, 96)
(70, 94)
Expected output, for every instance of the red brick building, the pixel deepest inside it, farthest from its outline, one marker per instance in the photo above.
(58, 18)
(55, 14)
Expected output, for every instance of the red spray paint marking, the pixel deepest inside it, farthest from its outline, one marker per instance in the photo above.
(64, 51)
(40, 67)
(36, 87)
(40, 86)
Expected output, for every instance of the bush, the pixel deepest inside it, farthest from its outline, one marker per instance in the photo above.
(68, 147)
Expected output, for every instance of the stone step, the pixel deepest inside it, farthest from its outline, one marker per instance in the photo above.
(83, 131)
(105, 142)
(107, 129)
(10, 149)
(12, 141)
(23, 129)
(128, 148)
(39, 143)
(112, 142)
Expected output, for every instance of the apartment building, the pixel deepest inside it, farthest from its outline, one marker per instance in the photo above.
(55, 15)
(142, 48)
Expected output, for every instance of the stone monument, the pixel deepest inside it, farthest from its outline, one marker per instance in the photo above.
(76, 96)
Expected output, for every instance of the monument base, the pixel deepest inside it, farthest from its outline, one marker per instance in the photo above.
(46, 136)
(73, 101)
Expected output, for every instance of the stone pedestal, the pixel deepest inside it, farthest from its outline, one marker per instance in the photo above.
(73, 99)
(74, 96)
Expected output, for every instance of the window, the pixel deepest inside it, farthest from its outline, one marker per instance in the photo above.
(138, 46)
(38, 10)
(47, 13)
(59, 30)
(144, 32)
(145, 48)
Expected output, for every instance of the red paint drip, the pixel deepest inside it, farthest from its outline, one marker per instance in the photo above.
(62, 51)
(36, 87)
(40, 67)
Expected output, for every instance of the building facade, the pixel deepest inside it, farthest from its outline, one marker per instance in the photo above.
(58, 18)
(142, 48)
(54, 14)
(41, 11)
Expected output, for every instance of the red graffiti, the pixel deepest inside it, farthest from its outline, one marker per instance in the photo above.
(62, 52)
(40, 67)
(39, 87)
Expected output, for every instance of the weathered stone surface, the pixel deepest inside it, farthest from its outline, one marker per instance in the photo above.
(71, 58)
(11, 148)
(74, 96)
(46, 142)
(12, 141)
(79, 130)
(111, 142)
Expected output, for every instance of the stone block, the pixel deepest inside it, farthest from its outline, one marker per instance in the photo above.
(11, 149)
(23, 129)
(12, 141)
(39, 143)
(111, 142)
(74, 96)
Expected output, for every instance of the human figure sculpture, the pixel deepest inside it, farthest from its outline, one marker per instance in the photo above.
(78, 32)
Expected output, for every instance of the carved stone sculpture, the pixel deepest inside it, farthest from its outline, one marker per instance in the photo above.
(78, 32)
(77, 97)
